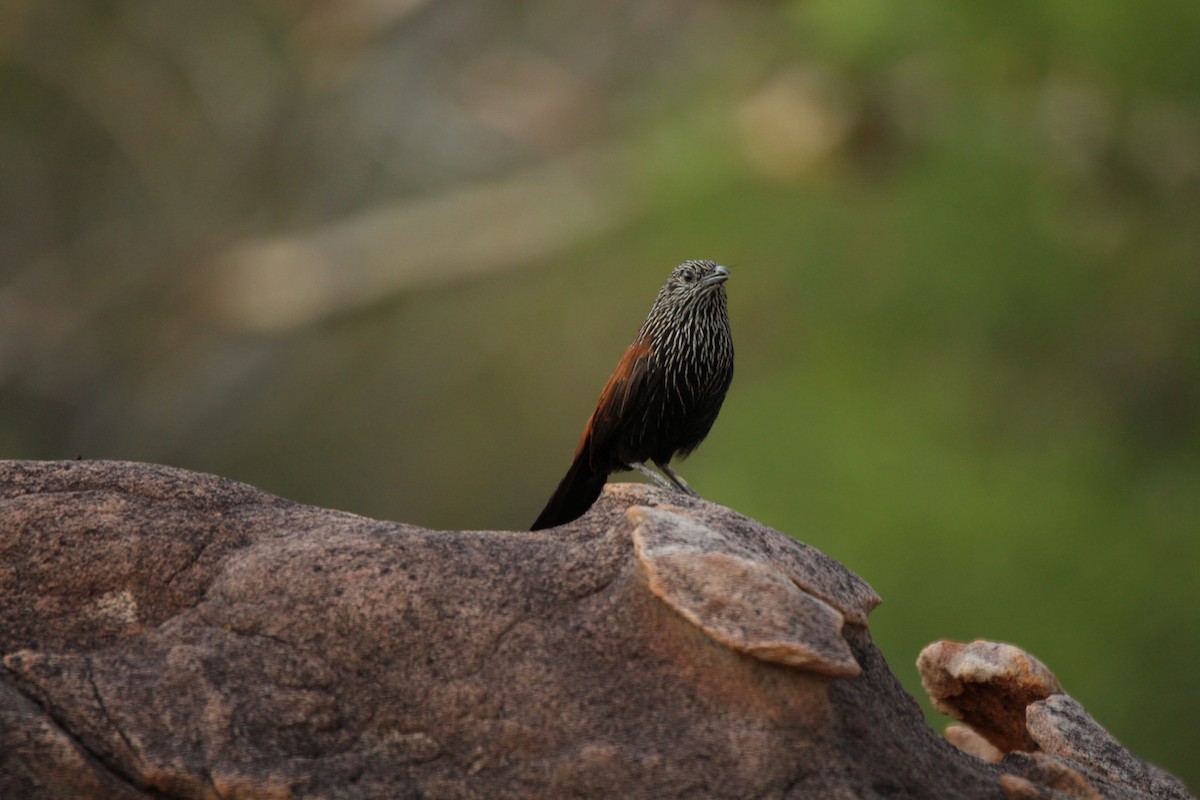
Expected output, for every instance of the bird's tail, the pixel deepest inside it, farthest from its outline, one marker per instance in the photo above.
(575, 494)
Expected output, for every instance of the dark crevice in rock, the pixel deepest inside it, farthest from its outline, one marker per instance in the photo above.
(112, 723)
(97, 761)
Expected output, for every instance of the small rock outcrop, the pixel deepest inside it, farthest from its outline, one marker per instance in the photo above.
(167, 634)
(1018, 715)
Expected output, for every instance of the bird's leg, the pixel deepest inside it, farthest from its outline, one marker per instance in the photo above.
(679, 482)
(662, 482)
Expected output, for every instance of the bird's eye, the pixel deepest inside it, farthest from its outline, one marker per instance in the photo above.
(688, 277)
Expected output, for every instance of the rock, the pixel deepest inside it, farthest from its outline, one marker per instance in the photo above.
(1062, 728)
(986, 685)
(966, 739)
(167, 634)
(1020, 717)
(1046, 778)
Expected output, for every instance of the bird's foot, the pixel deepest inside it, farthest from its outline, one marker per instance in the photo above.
(659, 480)
(680, 484)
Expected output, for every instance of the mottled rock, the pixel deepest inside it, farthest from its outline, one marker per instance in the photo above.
(1046, 777)
(966, 739)
(1062, 728)
(783, 610)
(1020, 717)
(986, 685)
(167, 634)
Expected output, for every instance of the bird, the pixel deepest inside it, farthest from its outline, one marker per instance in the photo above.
(662, 398)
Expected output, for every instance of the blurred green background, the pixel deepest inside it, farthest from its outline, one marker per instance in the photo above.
(381, 255)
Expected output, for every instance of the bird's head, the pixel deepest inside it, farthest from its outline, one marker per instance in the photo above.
(694, 292)
(696, 277)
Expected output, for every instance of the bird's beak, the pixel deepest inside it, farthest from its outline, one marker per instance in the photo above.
(720, 275)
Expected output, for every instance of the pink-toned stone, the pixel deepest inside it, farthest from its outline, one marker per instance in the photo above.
(1062, 728)
(986, 685)
(166, 634)
(971, 743)
(1016, 709)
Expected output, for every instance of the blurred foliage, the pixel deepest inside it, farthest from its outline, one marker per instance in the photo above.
(381, 256)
